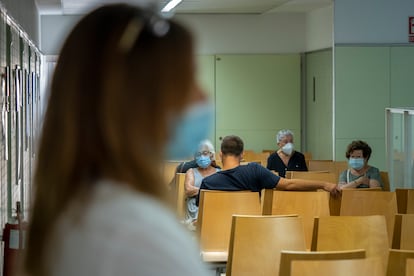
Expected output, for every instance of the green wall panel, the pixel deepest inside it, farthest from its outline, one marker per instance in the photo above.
(318, 100)
(402, 76)
(362, 83)
(206, 78)
(256, 95)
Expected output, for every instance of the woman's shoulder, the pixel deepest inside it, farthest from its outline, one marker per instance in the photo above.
(147, 222)
(372, 169)
(273, 157)
(111, 199)
(344, 172)
(298, 154)
(273, 154)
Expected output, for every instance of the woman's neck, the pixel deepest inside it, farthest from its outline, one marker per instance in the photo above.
(204, 169)
(361, 171)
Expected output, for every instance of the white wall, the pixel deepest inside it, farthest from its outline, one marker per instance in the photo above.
(53, 31)
(267, 33)
(216, 34)
(372, 21)
(229, 33)
(319, 29)
(25, 13)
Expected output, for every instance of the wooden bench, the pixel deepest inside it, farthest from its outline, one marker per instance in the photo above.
(216, 209)
(256, 242)
(306, 204)
(355, 202)
(287, 257)
(352, 232)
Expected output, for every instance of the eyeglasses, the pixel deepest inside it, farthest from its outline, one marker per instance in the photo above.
(198, 154)
(147, 19)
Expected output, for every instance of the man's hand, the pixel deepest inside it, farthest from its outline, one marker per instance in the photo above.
(333, 188)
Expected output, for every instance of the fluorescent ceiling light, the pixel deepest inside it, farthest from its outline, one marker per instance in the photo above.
(171, 5)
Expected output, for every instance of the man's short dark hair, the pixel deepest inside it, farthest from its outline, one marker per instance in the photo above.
(232, 145)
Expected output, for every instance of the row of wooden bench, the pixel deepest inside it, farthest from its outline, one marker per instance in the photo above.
(345, 245)
(214, 226)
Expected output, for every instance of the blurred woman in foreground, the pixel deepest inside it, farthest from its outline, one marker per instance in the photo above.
(123, 98)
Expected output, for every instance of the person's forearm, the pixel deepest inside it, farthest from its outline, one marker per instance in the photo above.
(194, 192)
(373, 183)
(307, 185)
(303, 184)
(191, 191)
(362, 180)
(352, 184)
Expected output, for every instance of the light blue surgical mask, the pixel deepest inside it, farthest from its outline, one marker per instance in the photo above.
(356, 163)
(203, 161)
(191, 127)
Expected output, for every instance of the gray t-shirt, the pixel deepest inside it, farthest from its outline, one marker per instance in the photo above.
(372, 173)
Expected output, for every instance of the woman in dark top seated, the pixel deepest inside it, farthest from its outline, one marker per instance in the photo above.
(286, 158)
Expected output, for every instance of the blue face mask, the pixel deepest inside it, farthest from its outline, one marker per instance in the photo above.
(191, 127)
(356, 163)
(203, 161)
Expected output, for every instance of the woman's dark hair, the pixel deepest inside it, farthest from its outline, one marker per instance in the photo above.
(359, 145)
(118, 83)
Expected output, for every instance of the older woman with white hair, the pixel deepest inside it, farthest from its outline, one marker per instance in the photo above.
(206, 166)
(286, 158)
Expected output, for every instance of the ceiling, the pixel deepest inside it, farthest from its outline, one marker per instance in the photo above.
(190, 6)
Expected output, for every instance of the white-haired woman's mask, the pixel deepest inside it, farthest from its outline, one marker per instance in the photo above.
(203, 158)
(203, 161)
(288, 148)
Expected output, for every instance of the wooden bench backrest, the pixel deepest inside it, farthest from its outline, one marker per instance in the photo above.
(216, 209)
(335, 167)
(385, 180)
(180, 195)
(405, 200)
(258, 157)
(306, 204)
(256, 242)
(363, 203)
(354, 267)
(397, 262)
(168, 170)
(321, 165)
(403, 237)
(313, 175)
(287, 257)
(352, 232)
(409, 267)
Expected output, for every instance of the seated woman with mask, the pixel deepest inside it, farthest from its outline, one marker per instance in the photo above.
(286, 158)
(204, 158)
(360, 174)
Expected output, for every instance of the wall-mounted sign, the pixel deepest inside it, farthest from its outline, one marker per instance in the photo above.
(411, 29)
